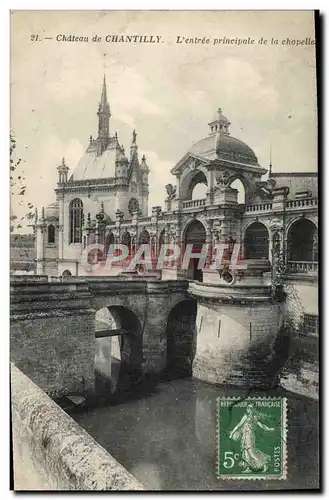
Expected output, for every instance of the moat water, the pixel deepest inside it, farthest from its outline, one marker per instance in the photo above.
(167, 438)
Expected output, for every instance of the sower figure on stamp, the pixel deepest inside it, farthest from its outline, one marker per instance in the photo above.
(245, 430)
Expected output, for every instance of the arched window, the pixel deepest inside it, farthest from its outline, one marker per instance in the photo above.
(126, 240)
(51, 233)
(109, 240)
(144, 237)
(256, 241)
(195, 235)
(303, 241)
(76, 215)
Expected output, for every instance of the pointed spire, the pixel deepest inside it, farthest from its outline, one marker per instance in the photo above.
(133, 147)
(121, 157)
(104, 105)
(103, 121)
(144, 166)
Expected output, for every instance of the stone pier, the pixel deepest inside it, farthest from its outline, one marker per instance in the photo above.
(238, 323)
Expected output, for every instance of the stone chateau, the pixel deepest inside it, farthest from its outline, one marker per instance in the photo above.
(105, 201)
(236, 316)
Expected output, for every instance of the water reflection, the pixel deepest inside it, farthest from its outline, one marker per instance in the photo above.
(168, 439)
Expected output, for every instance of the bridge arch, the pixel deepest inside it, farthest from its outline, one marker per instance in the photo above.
(118, 353)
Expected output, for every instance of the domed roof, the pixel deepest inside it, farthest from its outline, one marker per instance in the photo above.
(219, 144)
(226, 148)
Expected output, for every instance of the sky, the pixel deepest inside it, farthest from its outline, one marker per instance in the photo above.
(168, 92)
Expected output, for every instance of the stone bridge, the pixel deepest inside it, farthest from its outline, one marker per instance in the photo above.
(53, 328)
(226, 331)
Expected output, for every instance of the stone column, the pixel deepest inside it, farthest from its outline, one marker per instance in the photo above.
(211, 183)
(209, 242)
(61, 226)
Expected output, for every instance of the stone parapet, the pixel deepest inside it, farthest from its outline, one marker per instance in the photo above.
(52, 452)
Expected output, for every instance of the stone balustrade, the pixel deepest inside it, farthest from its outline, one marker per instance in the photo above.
(306, 202)
(260, 207)
(302, 267)
(194, 203)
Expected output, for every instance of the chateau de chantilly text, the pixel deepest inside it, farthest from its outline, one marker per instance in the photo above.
(178, 39)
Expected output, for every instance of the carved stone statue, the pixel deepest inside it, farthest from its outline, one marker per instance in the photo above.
(221, 181)
(171, 191)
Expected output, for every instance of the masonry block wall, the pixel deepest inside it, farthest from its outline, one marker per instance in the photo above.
(300, 373)
(53, 336)
(235, 343)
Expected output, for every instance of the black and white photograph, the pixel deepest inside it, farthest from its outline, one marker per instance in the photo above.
(164, 324)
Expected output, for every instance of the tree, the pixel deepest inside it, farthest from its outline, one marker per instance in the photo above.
(18, 187)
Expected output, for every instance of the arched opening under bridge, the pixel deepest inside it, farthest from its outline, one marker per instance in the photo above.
(118, 350)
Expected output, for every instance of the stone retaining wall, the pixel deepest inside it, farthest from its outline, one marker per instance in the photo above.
(52, 452)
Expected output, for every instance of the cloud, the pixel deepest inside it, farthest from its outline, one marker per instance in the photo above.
(130, 94)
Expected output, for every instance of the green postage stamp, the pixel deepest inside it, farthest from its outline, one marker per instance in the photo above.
(251, 438)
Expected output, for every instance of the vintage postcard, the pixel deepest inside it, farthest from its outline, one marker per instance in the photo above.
(164, 250)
